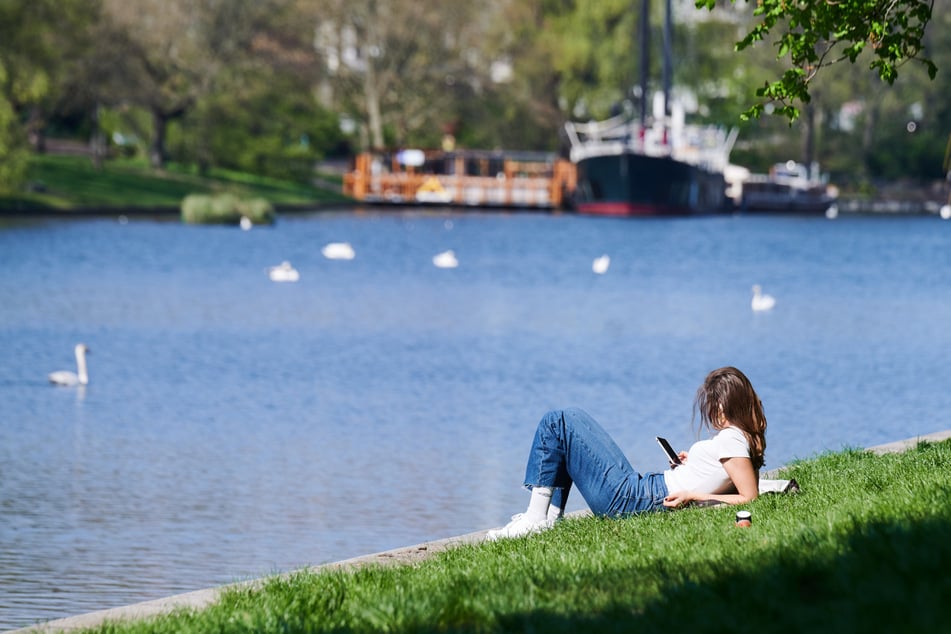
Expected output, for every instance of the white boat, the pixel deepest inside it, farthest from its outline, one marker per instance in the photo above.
(789, 187)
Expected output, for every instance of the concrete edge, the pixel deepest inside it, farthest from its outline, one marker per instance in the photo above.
(405, 555)
(203, 598)
(908, 443)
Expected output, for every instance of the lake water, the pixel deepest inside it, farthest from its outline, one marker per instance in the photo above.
(235, 427)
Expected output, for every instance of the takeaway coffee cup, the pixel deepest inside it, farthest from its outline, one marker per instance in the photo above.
(744, 518)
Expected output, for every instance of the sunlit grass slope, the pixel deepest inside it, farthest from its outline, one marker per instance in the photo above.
(66, 182)
(865, 547)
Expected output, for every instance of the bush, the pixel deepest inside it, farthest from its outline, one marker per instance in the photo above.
(225, 209)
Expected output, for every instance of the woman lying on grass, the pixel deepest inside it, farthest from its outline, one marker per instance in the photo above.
(570, 447)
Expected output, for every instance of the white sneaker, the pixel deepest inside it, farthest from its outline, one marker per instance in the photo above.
(519, 527)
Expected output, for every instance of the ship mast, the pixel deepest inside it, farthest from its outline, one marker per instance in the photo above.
(645, 64)
(668, 67)
(645, 61)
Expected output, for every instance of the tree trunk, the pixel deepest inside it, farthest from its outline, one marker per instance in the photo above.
(98, 141)
(37, 130)
(868, 135)
(371, 90)
(809, 137)
(157, 147)
(374, 115)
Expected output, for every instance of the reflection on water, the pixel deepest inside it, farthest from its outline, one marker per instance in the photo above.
(234, 427)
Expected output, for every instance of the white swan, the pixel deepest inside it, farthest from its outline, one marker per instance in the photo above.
(80, 377)
(761, 301)
(601, 264)
(338, 251)
(446, 260)
(245, 223)
(283, 272)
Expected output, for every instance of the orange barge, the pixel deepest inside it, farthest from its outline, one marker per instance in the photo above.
(471, 178)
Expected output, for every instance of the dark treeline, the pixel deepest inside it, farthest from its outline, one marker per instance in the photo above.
(271, 86)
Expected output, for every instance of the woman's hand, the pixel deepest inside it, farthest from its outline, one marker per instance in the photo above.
(682, 455)
(678, 498)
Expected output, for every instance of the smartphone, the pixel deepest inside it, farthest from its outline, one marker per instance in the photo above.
(671, 454)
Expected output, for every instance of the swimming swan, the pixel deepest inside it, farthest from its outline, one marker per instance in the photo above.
(446, 260)
(761, 301)
(283, 272)
(601, 264)
(338, 251)
(65, 377)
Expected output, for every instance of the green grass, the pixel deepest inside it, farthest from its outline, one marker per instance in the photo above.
(70, 182)
(864, 547)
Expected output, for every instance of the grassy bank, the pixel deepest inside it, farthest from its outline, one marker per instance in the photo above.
(864, 547)
(63, 183)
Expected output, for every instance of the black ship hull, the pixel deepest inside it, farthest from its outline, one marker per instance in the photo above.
(633, 184)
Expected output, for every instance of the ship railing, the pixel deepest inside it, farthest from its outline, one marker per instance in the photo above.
(703, 145)
(508, 180)
(592, 131)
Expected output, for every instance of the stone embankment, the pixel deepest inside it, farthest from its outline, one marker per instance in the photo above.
(410, 554)
(857, 207)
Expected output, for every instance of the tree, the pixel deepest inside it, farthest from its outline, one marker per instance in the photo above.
(592, 50)
(13, 154)
(39, 43)
(400, 66)
(258, 112)
(272, 126)
(816, 34)
(162, 58)
(171, 53)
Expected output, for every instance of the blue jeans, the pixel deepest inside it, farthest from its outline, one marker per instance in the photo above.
(570, 447)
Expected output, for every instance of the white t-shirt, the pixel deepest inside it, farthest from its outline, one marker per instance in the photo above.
(703, 472)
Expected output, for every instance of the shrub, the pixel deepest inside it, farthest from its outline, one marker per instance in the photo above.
(226, 209)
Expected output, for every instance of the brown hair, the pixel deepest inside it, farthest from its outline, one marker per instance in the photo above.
(727, 390)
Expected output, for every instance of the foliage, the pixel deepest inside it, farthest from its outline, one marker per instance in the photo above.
(37, 52)
(398, 65)
(908, 151)
(815, 35)
(227, 130)
(13, 157)
(39, 43)
(166, 55)
(591, 47)
(862, 548)
(504, 119)
(525, 111)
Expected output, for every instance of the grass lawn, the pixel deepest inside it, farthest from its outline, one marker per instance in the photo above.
(863, 548)
(66, 182)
